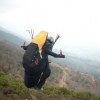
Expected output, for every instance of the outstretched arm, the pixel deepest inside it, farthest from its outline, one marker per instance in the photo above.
(49, 52)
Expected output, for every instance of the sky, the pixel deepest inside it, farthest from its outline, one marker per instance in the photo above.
(77, 21)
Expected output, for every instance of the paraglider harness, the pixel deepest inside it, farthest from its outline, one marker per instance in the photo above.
(32, 56)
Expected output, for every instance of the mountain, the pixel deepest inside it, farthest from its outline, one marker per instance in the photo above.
(61, 75)
(6, 35)
(73, 61)
(78, 63)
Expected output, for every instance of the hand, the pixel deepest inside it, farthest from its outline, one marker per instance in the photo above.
(61, 56)
(24, 47)
(21, 46)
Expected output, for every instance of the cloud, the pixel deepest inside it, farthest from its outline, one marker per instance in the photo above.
(6, 5)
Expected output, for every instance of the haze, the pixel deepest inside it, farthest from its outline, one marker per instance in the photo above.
(77, 21)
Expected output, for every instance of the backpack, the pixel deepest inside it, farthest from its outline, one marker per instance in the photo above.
(33, 54)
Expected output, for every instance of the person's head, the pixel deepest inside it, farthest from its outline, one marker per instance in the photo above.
(50, 39)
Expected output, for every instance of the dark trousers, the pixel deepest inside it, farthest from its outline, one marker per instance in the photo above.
(31, 80)
(45, 75)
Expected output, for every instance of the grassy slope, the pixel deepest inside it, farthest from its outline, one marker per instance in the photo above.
(10, 63)
(11, 89)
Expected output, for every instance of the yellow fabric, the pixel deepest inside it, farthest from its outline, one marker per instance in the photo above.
(40, 39)
(40, 78)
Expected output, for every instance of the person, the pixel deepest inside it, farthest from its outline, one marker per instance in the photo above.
(36, 78)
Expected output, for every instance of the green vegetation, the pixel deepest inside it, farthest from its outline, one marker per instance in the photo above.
(11, 89)
(70, 93)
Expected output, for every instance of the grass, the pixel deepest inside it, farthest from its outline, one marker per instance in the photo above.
(12, 89)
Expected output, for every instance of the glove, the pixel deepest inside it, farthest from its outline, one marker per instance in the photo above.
(21, 46)
(61, 56)
(24, 47)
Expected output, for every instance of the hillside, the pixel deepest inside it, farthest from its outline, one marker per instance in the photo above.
(80, 64)
(72, 79)
(11, 89)
(10, 59)
(63, 76)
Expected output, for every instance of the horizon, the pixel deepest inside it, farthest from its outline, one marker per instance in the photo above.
(77, 21)
(85, 52)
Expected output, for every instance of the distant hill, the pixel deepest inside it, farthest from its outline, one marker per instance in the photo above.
(72, 61)
(61, 75)
(11, 38)
(78, 63)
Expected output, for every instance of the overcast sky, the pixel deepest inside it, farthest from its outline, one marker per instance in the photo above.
(77, 21)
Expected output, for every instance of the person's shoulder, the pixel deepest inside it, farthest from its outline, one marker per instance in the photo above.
(48, 43)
